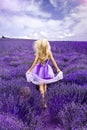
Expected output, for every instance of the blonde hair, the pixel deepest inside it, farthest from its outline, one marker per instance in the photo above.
(42, 47)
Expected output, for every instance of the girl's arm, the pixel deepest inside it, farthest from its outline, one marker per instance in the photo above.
(33, 65)
(54, 62)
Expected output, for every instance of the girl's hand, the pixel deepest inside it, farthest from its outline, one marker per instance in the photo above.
(28, 72)
(58, 71)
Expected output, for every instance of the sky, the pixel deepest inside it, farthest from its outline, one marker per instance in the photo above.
(57, 20)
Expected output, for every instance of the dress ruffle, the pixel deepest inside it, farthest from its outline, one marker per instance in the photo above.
(35, 79)
(43, 74)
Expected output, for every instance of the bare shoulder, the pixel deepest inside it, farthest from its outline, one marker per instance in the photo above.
(36, 57)
(49, 54)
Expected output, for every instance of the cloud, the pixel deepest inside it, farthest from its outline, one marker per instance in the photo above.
(81, 16)
(24, 7)
(35, 23)
(10, 5)
(84, 1)
(54, 3)
(58, 4)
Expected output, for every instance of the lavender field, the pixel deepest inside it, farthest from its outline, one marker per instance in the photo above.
(21, 109)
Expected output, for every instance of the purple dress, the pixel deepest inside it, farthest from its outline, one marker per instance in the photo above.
(43, 74)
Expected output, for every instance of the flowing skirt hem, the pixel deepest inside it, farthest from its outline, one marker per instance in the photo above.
(35, 79)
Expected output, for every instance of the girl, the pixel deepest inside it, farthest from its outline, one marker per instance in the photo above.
(41, 73)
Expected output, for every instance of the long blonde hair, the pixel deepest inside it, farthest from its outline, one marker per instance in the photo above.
(42, 47)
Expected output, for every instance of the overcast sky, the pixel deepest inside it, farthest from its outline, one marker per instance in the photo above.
(51, 19)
